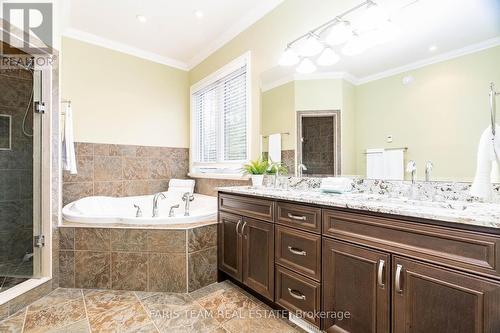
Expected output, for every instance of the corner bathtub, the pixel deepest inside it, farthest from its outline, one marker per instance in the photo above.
(110, 210)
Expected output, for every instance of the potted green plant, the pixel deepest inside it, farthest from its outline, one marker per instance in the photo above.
(256, 169)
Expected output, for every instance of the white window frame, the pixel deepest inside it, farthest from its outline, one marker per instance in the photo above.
(227, 69)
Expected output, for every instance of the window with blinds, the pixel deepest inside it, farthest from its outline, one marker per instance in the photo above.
(220, 119)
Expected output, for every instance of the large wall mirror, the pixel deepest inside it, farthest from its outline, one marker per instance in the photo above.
(422, 96)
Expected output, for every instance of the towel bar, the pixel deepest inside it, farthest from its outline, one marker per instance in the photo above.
(493, 107)
(284, 133)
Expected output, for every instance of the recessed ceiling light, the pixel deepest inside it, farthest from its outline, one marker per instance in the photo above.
(433, 48)
(141, 18)
(198, 13)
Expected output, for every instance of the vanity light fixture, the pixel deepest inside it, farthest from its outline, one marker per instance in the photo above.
(340, 31)
(328, 57)
(289, 58)
(433, 48)
(141, 18)
(306, 66)
(311, 46)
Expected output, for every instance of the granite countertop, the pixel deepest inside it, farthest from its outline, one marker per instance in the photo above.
(469, 213)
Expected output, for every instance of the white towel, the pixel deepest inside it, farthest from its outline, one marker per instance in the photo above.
(394, 164)
(337, 184)
(488, 160)
(375, 164)
(275, 147)
(68, 144)
(181, 185)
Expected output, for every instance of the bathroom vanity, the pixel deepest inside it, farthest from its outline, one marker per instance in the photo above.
(397, 272)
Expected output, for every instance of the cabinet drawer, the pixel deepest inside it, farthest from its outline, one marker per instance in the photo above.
(251, 207)
(298, 294)
(299, 216)
(299, 251)
(467, 250)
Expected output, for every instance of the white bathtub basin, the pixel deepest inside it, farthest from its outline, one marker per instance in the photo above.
(100, 210)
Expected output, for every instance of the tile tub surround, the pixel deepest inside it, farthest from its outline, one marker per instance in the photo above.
(178, 260)
(461, 212)
(123, 170)
(217, 308)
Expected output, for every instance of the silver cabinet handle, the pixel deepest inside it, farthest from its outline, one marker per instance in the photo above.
(243, 228)
(297, 251)
(296, 217)
(296, 294)
(399, 270)
(237, 226)
(380, 273)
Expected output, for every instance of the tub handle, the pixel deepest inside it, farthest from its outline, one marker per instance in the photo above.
(139, 211)
(171, 212)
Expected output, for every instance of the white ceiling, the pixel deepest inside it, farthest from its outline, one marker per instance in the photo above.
(172, 35)
(455, 27)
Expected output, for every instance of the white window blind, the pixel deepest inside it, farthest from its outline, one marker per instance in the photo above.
(220, 111)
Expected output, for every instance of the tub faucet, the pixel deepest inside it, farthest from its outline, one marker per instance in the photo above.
(187, 197)
(155, 202)
(138, 213)
(171, 212)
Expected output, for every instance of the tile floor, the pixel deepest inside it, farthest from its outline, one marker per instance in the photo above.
(218, 308)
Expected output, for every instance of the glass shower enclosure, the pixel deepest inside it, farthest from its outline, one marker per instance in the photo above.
(20, 170)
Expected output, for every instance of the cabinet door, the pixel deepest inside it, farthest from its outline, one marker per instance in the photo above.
(355, 280)
(230, 242)
(431, 299)
(258, 256)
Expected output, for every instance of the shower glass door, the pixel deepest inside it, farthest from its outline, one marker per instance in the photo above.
(20, 161)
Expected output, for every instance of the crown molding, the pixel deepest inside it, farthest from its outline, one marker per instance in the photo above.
(245, 22)
(123, 48)
(489, 43)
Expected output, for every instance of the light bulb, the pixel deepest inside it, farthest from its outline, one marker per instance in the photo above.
(311, 47)
(339, 33)
(373, 16)
(306, 66)
(355, 46)
(289, 58)
(328, 58)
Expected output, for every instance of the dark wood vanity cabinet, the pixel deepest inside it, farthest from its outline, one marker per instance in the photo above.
(230, 254)
(356, 280)
(390, 274)
(258, 256)
(427, 298)
(245, 244)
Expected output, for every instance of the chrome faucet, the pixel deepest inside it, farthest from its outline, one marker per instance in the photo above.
(411, 167)
(187, 197)
(171, 212)
(155, 202)
(300, 168)
(428, 169)
(138, 213)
